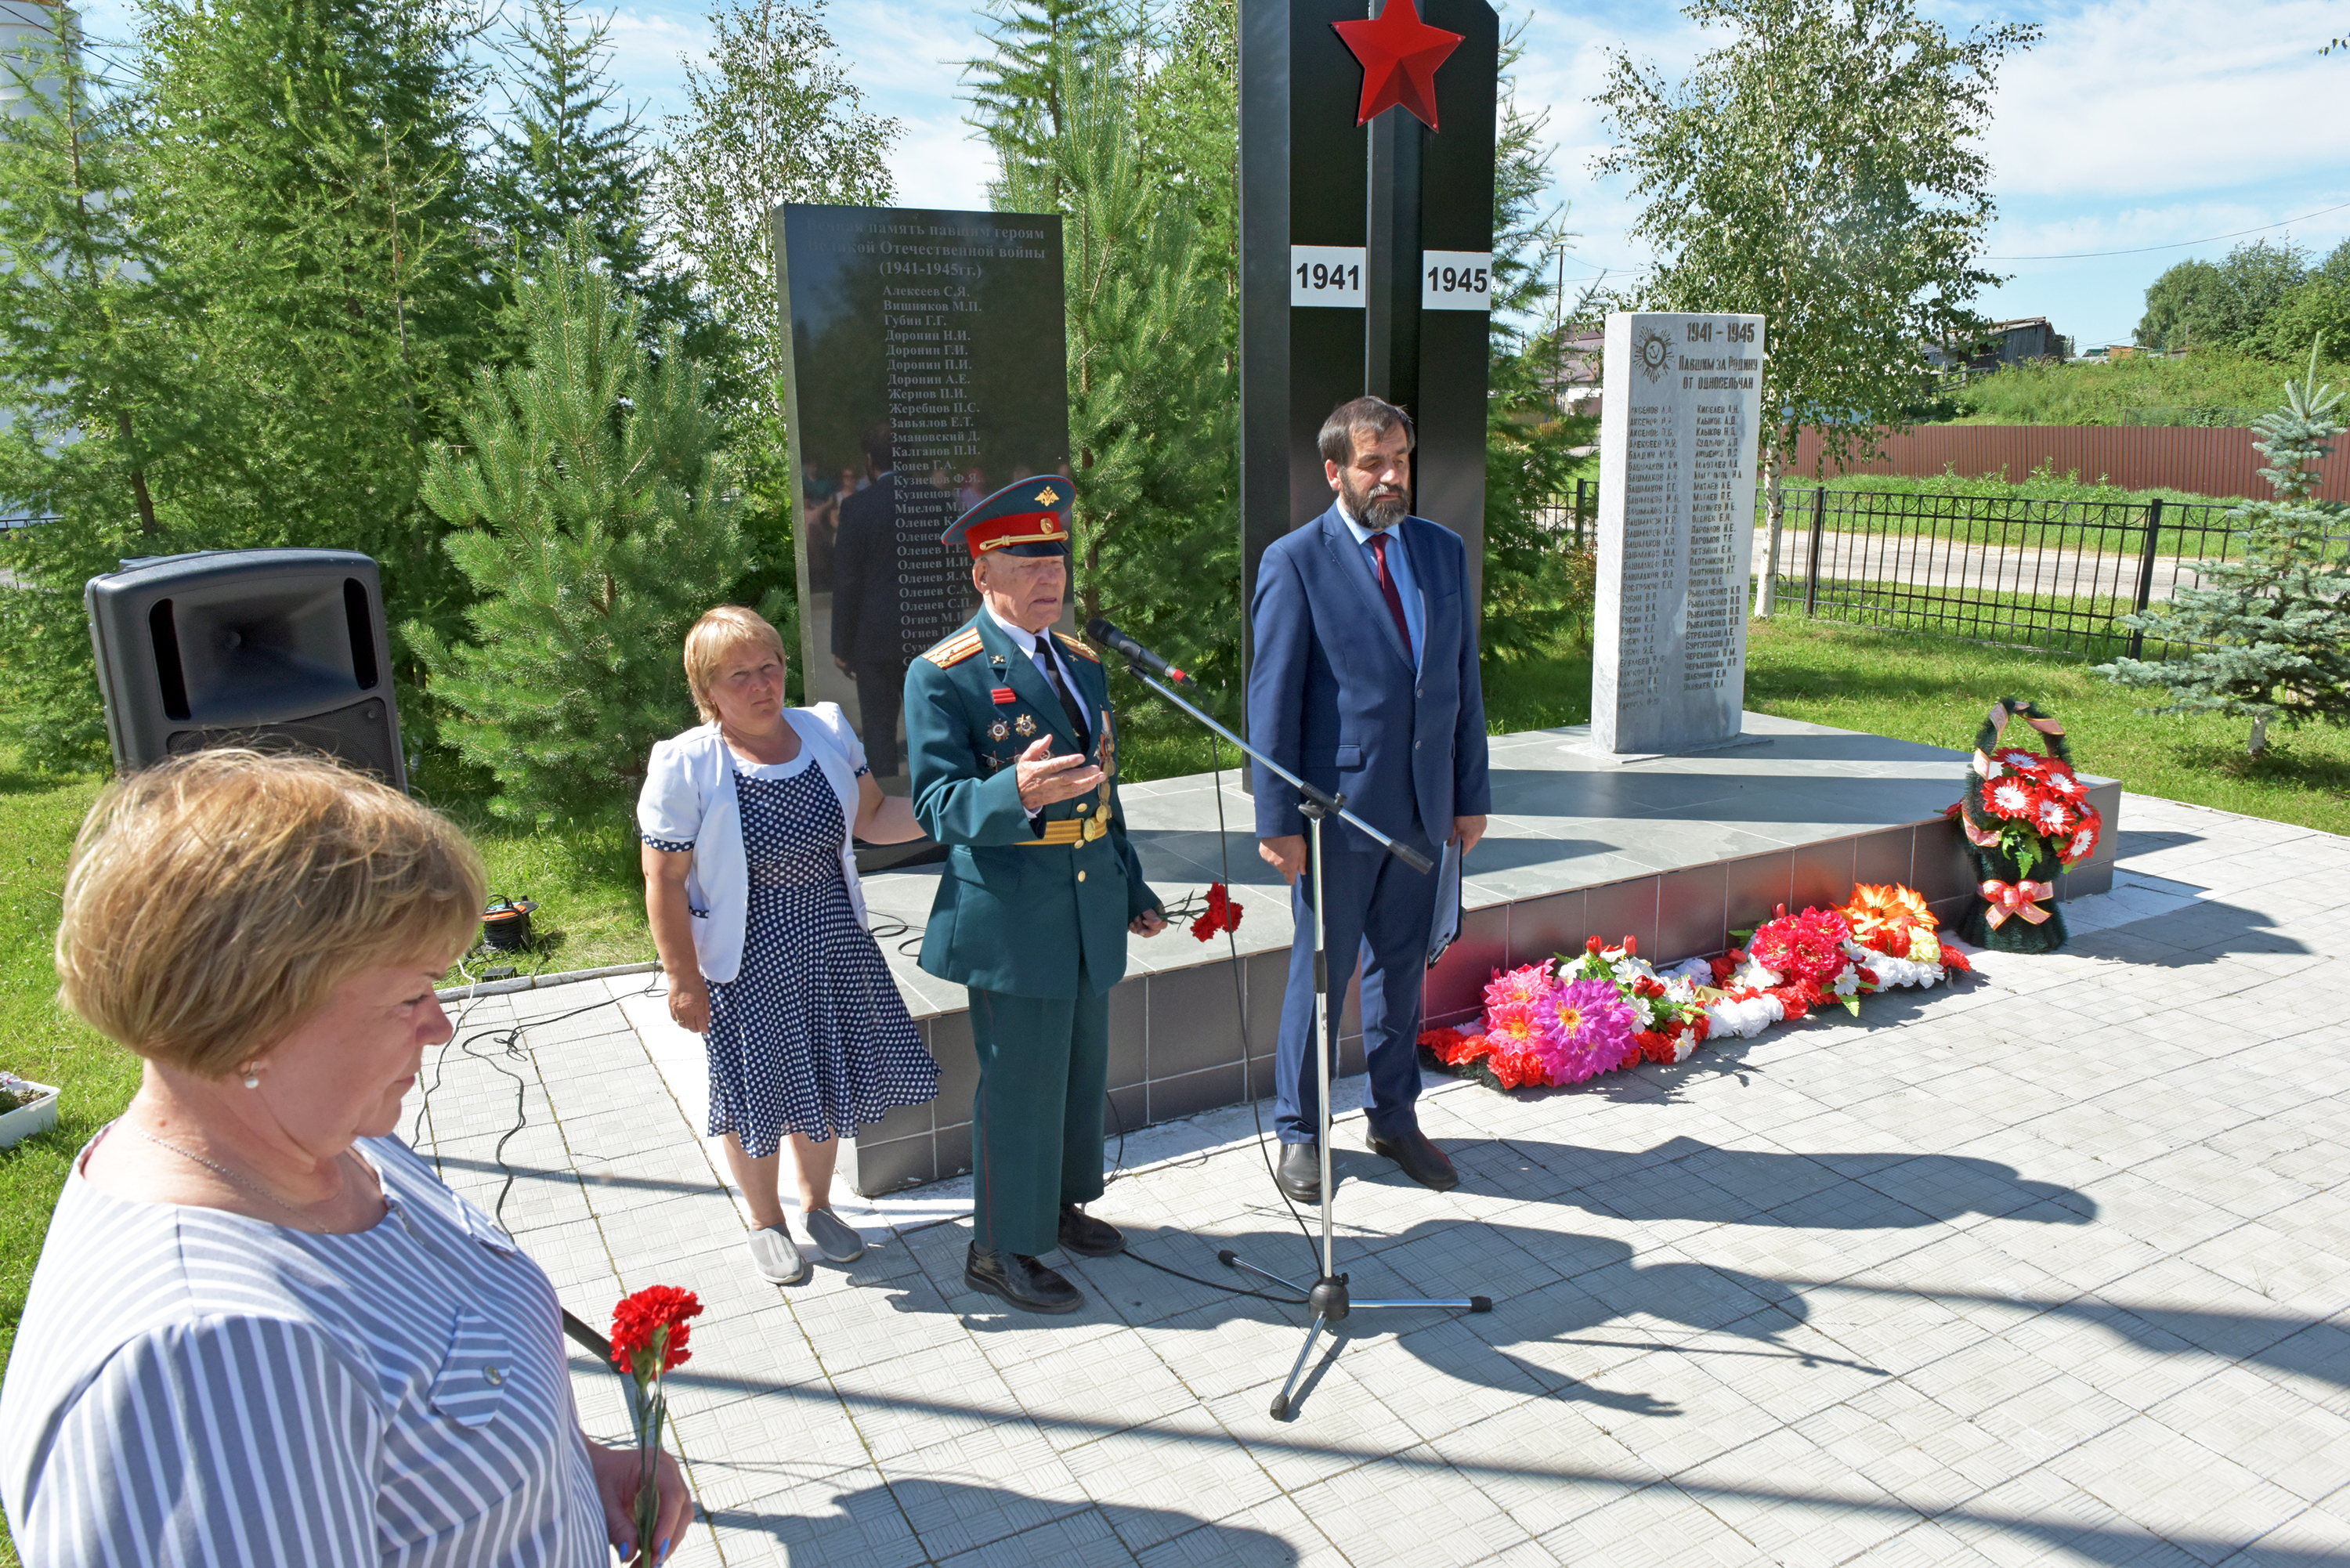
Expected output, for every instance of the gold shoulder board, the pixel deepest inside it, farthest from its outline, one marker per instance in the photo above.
(1075, 647)
(954, 650)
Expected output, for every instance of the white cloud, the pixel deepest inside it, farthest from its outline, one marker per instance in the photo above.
(2154, 98)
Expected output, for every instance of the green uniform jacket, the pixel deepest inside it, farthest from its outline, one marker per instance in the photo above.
(1015, 912)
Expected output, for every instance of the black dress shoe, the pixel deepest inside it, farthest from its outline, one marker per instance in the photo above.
(1020, 1280)
(1421, 1160)
(1300, 1174)
(1087, 1237)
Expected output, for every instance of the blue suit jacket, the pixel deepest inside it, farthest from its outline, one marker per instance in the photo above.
(1332, 695)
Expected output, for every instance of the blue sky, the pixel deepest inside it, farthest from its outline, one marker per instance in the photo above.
(2135, 123)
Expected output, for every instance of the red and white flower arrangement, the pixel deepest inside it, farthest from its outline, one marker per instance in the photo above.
(2029, 803)
(1546, 1026)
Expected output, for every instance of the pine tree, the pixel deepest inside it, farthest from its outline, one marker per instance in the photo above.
(2272, 626)
(1019, 89)
(594, 523)
(1152, 428)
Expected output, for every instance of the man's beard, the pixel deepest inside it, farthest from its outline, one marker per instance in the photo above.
(1373, 513)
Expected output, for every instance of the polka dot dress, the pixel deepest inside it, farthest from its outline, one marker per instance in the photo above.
(811, 1036)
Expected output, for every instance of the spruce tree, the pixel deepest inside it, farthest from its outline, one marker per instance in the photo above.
(1537, 589)
(566, 153)
(2272, 628)
(594, 521)
(1152, 430)
(81, 384)
(262, 293)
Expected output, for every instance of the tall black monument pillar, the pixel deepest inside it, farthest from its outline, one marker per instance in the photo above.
(1365, 248)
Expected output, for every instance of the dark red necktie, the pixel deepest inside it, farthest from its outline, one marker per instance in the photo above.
(1387, 585)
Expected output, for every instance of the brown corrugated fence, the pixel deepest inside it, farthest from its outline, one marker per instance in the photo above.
(2204, 462)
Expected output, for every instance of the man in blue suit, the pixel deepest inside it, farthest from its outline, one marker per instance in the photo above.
(1364, 683)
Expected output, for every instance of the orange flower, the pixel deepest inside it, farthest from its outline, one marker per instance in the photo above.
(1882, 917)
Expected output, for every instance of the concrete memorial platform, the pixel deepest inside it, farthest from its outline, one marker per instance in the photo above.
(2045, 1268)
(1674, 851)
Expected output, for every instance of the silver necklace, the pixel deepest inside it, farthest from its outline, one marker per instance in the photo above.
(224, 1172)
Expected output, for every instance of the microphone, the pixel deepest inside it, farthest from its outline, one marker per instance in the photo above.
(1118, 642)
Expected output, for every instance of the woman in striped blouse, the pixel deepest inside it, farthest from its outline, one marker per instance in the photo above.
(261, 1330)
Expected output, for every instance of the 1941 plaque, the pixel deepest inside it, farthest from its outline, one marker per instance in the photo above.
(926, 372)
(1677, 441)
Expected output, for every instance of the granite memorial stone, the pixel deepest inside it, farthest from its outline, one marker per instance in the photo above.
(1683, 407)
(925, 371)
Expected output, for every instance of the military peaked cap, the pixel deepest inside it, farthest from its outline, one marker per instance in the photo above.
(1027, 517)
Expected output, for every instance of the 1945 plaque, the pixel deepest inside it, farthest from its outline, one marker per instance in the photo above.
(926, 372)
(1677, 439)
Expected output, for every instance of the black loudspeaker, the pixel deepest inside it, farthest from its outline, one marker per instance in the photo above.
(269, 649)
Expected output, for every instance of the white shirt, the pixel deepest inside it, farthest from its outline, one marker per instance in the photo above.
(1039, 647)
(1398, 573)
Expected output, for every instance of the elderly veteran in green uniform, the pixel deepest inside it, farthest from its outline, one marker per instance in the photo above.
(1015, 762)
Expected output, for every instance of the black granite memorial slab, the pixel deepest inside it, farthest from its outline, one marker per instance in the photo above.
(926, 372)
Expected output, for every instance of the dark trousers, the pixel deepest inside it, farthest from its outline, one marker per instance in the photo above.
(1377, 912)
(1036, 1118)
(880, 699)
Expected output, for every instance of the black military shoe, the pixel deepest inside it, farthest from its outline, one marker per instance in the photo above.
(1087, 1237)
(1421, 1160)
(1020, 1280)
(1300, 1175)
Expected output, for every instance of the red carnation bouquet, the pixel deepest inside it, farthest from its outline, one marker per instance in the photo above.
(648, 1338)
(1220, 915)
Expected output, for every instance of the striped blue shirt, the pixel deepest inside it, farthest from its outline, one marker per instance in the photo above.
(194, 1387)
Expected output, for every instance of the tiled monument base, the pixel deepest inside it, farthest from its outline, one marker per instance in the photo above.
(1673, 851)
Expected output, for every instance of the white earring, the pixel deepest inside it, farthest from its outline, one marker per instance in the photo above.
(252, 1077)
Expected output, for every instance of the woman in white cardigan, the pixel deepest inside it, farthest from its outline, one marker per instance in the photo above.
(751, 887)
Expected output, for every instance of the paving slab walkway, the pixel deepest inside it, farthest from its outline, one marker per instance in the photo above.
(2049, 1268)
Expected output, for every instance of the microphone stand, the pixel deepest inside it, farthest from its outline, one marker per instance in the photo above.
(1328, 1296)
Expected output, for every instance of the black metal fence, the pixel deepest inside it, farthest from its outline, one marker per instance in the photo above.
(2052, 574)
(1573, 518)
(2055, 575)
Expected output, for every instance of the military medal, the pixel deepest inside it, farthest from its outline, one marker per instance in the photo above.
(1025, 724)
(998, 731)
(1096, 827)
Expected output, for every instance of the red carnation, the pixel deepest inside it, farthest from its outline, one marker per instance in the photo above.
(654, 1316)
(1222, 914)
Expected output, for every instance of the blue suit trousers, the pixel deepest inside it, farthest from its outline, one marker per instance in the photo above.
(1379, 911)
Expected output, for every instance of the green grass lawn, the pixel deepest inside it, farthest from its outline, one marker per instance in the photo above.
(1935, 689)
(1916, 686)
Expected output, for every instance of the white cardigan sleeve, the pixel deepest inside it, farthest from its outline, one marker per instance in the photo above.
(842, 735)
(670, 806)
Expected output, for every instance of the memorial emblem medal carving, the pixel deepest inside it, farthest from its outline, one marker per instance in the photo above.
(1681, 405)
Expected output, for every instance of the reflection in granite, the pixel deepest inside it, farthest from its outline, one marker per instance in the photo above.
(927, 373)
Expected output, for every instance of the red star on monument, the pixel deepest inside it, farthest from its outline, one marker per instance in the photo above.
(1399, 55)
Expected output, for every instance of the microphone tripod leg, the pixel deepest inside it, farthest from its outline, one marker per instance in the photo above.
(1280, 1400)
